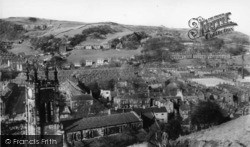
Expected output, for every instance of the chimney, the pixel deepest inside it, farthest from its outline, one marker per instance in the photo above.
(242, 70)
(47, 72)
(55, 75)
(35, 75)
(27, 74)
(109, 111)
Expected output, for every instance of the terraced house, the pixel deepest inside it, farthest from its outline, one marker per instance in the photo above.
(95, 127)
(11, 60)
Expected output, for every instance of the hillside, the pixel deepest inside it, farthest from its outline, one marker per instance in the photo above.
(70, 28)
(16, 28)
(235, 133)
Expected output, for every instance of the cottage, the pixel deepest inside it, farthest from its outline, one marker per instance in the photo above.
(160, 113)
(106, 94)
(95, 127)
(89, 63)
(88, 47)
(97, 47)
(77, 64)
(100, 62)
(106, 46)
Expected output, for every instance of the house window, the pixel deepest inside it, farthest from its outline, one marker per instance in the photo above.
(84, 134)
(69, 137)
(78, 136)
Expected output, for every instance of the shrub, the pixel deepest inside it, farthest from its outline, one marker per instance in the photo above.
(206, 114)
(32, 19)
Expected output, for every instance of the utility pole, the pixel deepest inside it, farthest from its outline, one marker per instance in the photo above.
(242, 68)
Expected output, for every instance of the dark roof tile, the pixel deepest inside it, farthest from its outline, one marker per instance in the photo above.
(103, 121)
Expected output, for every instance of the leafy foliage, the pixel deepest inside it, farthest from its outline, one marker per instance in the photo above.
(238, 50)
(57, 61)
(78, 38)
(8, 75)
(213, 45)
(163, 43)
(95, 89)
(47, 43)
(103, 30)
(173, 128)
(206, 114)
(12, 128)
(130, 41)
(97, 32)
(32, 19)
(158, 49)
(10, 30)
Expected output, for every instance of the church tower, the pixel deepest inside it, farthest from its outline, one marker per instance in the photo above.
(46, 96)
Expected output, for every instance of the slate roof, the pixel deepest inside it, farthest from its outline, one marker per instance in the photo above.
(70, 87)
(103, 121)
(19, 106)
(82, 97)
(173, 97)
(151, 109)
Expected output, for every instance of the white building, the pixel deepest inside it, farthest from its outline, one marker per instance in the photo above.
(106, 94)
(89, 63)
(100, 62)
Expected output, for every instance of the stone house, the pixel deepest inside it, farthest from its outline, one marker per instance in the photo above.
(100, 126)
(160, 113)
(89, 63)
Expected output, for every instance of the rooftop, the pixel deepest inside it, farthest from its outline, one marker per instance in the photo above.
(151, 109)
(211, 82)
(103, 121)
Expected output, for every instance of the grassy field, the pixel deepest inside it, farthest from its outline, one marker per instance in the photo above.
(25, 47)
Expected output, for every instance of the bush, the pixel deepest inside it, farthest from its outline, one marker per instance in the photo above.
(32, 19)
(103, 30)
(206, 114)
(173, 128)
(10, 31)
(47, 43)
(9, 75)
(239, 50)
(77, 39)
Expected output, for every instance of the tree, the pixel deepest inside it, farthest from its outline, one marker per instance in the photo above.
(238, 50)
(47, 43)
(95, 89)
(32, 19)
(12, 128)
(78, 38)
(159, 49)
(206, 114)
(8, 74)
(173, 128)
(111, 84)
(57, 61)
(213, 45)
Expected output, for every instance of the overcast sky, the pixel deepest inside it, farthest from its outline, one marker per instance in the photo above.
(170, 13)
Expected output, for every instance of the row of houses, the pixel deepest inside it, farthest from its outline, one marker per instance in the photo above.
(96, 127)
(10, 60)
(200, 56)
(90, 47)
(6, 45)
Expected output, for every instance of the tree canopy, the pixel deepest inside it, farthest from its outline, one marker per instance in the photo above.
(47, 43)
(159, 48)
(206, 114)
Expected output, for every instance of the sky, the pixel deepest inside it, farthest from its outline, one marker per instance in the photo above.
(169, 13)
